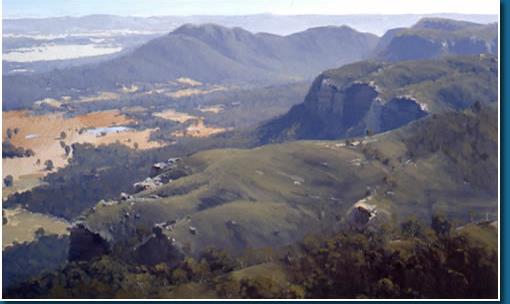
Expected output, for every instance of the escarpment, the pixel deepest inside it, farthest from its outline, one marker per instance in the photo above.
(333, 112)
(437, 37)
(369, 97)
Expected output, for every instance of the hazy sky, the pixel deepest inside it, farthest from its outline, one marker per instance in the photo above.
(46, 8)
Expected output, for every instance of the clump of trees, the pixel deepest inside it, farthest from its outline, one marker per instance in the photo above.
(418, 262)
(11, 132)
(25, 260)
(11, 151)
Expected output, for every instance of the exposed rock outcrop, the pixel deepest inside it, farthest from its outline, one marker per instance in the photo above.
(400, 111)
(361, 214)
(162, 173)
(333, 111)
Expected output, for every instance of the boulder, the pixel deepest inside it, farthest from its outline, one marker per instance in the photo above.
(361, 213)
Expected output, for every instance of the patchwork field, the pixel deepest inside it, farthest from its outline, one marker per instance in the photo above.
(192, 91)
(24, 183)
(196, 128)
(44, 133)
(215, 109)
(173, 115)
(199, 129)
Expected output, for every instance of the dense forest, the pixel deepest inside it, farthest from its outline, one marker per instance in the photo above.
(414, 260)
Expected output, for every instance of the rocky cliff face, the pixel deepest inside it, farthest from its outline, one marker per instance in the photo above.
(340, 108)
(400, 111)
(371, 97)
(332, 111)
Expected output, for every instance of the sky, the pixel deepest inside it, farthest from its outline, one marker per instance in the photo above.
(53, 8)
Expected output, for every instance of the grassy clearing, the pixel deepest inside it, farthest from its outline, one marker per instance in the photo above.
(22, 224)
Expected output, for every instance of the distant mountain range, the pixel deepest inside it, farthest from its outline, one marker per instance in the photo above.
(217, 54)
(268, 23)
(208, 53)
(435, 37)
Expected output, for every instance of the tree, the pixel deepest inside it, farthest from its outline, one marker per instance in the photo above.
(219, 261)
(9, 133)
(39, 232)
(411, 227)
(8, 180)
(63, 135)
(49, 165)
(135, 145)
(29, 153)
(441, 225)
(67, 149)
(260, 287)
(62, 144)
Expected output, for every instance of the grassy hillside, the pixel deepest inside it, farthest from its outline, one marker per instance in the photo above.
(276, 194)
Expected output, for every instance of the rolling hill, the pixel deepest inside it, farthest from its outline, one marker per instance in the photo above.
(274, 195)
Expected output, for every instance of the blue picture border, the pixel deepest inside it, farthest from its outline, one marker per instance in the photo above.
(504, 148)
